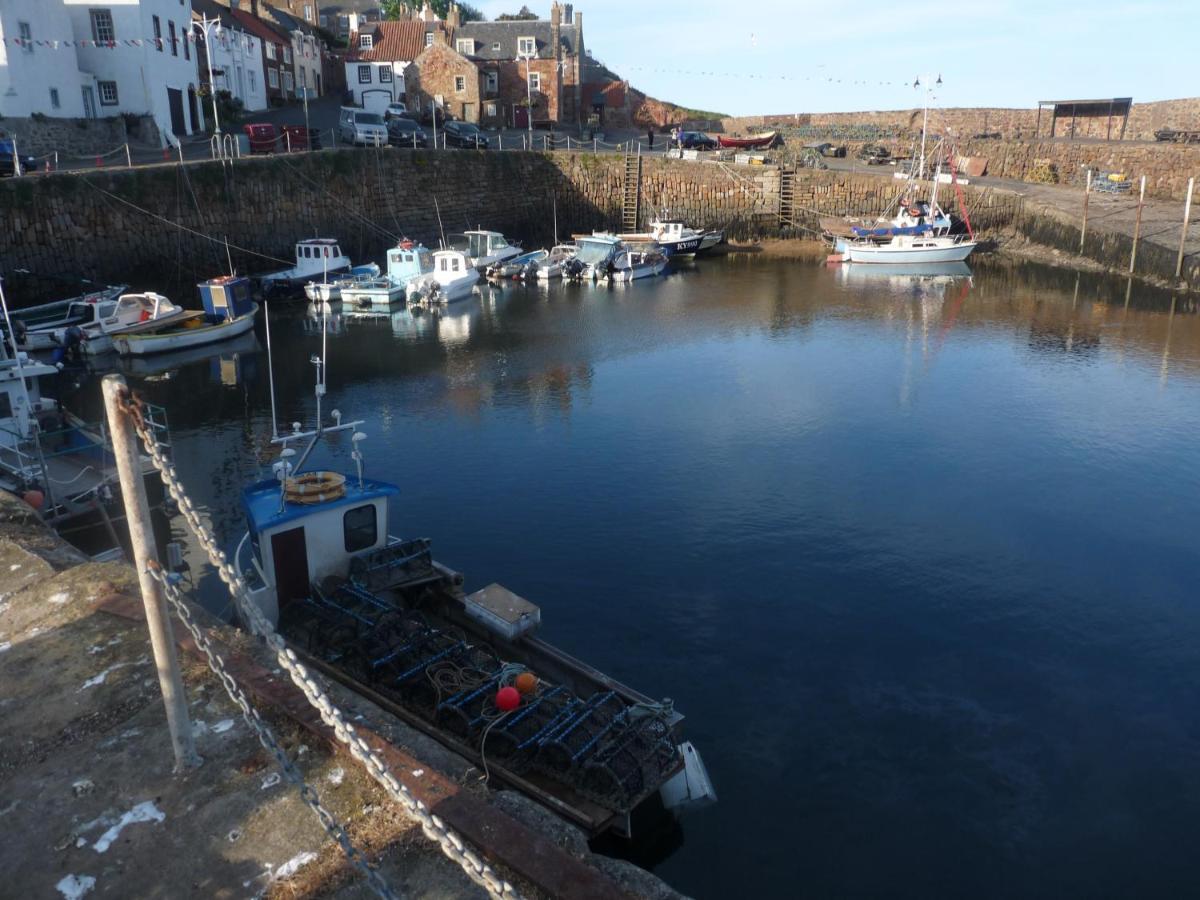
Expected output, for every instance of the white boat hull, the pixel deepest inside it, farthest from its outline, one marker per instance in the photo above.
(909, 255)
(644, 270)
(151, 343)
(371, 297)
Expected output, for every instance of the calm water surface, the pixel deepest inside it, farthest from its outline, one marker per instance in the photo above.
(916, 558)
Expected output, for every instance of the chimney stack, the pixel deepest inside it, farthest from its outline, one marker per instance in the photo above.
(568, 13)
(453, 17)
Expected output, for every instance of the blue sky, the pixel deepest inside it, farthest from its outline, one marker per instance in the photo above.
(995, 53)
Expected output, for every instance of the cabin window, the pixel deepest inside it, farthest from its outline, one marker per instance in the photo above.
(445, 264)
(359, 527)
(5, 406)
(304, 251)
(454, 264)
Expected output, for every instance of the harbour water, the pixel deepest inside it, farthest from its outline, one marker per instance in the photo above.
(916, 557)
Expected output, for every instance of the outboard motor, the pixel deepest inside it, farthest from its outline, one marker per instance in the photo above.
(573, 267)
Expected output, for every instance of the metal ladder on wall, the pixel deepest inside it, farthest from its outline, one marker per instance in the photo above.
(787, 198)
(631, 199)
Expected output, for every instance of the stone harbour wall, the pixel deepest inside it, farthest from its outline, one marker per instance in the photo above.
(45, 135)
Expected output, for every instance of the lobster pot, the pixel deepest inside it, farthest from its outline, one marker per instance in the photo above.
(227, 297)
(635, 761)
(572, 741)
(515, 738)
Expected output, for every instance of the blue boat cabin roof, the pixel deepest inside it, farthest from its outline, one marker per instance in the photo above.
(261, 502)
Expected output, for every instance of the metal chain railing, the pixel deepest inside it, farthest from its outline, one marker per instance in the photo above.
(266, 736)
(433, 827)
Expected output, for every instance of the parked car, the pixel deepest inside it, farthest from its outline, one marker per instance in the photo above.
(406, 133)
(465, 134)
(263, 137)
(359, 127)
(397, 110)
(694, 140)
(7, 154)
(874, 154)
(428, 114)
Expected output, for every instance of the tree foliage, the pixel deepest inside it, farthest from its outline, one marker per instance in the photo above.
(403, 9)
(523, 15)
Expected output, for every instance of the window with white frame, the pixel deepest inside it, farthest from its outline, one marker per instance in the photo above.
(385, 74)
(465, 46)
(273, 78)
(287, 81)
(535, 81)
(364, 74)
(25, 33)
(429, 39)
(174, 43)
(270, 51)
(108, 92)
(308, 12)
(460, 84)
(526, 46)
(490, 109)
(287, 55)
(495, 46)
(102, 26)
(492, 81)
(54, 98)
(158, 34)
(366, 41)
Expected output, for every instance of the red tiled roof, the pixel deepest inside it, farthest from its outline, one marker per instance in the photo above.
(258, 27)
(392, 41)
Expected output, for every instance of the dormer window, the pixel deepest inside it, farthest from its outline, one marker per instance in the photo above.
(366, 41)
(466, 46)
(526, 46)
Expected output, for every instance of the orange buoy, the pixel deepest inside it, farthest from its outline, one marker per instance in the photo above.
(34, 498)
(526, 682)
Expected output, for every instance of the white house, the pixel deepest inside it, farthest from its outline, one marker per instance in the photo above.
(142, 60)
(378, 56)
(237, 60)
(39, 71)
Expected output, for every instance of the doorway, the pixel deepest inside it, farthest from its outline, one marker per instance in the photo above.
(175, 100)
(192, 110)
(89, 102)
(289, 556)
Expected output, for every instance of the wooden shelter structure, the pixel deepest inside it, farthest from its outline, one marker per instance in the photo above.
(1086, 109)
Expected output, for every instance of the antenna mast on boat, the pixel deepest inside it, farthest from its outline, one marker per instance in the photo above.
(228, 255)
(270, 368)
(441, 228)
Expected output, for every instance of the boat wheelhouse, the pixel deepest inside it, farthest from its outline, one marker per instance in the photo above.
(316, 258)
(406, 262)
(453, 277)
(485, 248)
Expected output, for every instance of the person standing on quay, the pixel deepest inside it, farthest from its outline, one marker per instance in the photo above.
(650, 136)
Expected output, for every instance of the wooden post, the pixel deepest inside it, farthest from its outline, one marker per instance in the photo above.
(1137, 225)
(141, 539)
(1087, 191)
(1187, 215)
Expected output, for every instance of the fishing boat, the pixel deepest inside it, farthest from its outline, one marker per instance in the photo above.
(60, 465)
(672, 238)
(228, 312)
(910, 249)
(523, 266)
(593, 255)
(41, 327)
(128, 314)
(378, 613)
(762, 141)
(316, 260)
(552, 266)
(636, 261)
(486, 248)
(406, 262)
(453, 278)
(330, 289)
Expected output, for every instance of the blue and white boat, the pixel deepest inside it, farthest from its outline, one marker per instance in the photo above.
(380, 614)
(406, 263)
(523, 266)
(330, 289)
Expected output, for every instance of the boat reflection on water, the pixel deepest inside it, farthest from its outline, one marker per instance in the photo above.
(454, 329)
(904, 275)
(234, 361)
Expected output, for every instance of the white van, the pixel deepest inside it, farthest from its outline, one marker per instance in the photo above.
(357, 126)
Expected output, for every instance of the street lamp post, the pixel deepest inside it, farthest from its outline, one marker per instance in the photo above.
(204, 24)
(930, 84)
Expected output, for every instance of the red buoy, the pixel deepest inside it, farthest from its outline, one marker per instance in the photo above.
(34, 498)
(507, 699)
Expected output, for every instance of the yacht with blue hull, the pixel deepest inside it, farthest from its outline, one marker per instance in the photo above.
(380, 614)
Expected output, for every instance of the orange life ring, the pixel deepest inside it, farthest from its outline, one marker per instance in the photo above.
(315, 487)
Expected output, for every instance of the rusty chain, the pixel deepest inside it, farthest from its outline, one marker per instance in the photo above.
(451, 844)
(265, 735)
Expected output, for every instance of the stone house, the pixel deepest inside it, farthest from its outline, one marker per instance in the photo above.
(307, 49)
(237, 56)
(140, 55)
(377, 60)
(520, 61)
(442, 77)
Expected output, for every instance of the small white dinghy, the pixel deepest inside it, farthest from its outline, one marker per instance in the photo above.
(552, 266)
(331, 289)
(633, 263)
(523, 266)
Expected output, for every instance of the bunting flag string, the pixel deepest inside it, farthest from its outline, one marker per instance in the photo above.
(158, 43)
